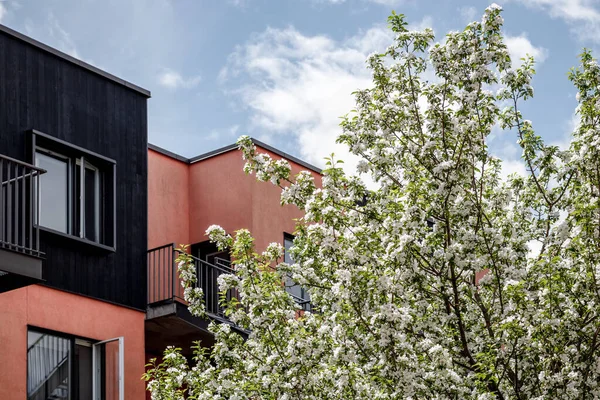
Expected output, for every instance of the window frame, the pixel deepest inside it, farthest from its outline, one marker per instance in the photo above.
(106, 178)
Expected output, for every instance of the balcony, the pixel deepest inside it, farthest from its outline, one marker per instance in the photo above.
(164, 285)
(168, 321)
(20, 255)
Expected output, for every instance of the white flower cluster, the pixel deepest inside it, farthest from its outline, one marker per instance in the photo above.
(262, 164)
(218, 235)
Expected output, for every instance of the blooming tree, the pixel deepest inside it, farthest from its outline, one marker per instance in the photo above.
(426, 287)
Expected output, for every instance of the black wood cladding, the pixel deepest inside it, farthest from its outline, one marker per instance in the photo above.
(41, 91)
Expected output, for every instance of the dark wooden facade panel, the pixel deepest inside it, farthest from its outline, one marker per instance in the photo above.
(41, 91)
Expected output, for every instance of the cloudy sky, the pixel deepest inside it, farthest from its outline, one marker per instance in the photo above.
(283, 70)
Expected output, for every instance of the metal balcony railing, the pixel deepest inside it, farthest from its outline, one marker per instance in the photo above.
(19, 194)
(164, 283)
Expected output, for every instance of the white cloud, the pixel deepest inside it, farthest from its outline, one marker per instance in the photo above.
(520, 46)
(582, 15)
(174, 80)
(298, 86)
(468, 13)
(61, 37)
(513, 166)
(2, 11)
(387, 2)
(238, 3)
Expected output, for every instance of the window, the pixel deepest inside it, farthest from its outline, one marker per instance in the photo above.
(292, 287)
(61, 367)
(77, 192)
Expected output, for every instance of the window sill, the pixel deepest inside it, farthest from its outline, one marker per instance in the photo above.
(78, 239)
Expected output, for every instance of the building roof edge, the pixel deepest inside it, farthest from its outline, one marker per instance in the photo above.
(231, 147)
(73, 60)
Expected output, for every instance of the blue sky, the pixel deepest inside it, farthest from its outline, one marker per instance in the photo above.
(283, 70)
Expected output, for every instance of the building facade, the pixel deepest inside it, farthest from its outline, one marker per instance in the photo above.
(73, 227)
(90, 220)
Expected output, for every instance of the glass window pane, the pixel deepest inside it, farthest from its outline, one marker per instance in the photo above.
(83, 371)
(47, 366)
(287, 243)
(293, 288)
(54, 191)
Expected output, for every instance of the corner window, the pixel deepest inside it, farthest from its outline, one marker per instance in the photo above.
(300, 293)
(62, 367)
(77, 192)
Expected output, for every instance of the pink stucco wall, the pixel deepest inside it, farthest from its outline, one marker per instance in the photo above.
(184, 200)
(168, 200)
(42, 307)
(222, 194)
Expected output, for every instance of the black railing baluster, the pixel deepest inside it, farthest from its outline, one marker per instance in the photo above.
(9, 210)
(208, 290)
(2, 210)
(173, 274)
(37, 213)
(31, 205)
(17, 214)
(164, 273)
(154, 280)
(148, 256)
(15, 221)
(23, 207)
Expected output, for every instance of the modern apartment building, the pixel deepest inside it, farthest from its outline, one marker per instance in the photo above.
(73, 227)
(90, 219)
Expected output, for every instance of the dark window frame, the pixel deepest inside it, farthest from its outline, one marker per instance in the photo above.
(107, 196)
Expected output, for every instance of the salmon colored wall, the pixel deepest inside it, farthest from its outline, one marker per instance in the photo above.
(47, 308)
(168, 200)
(219, 194)
(269, 218)
(222, 194)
